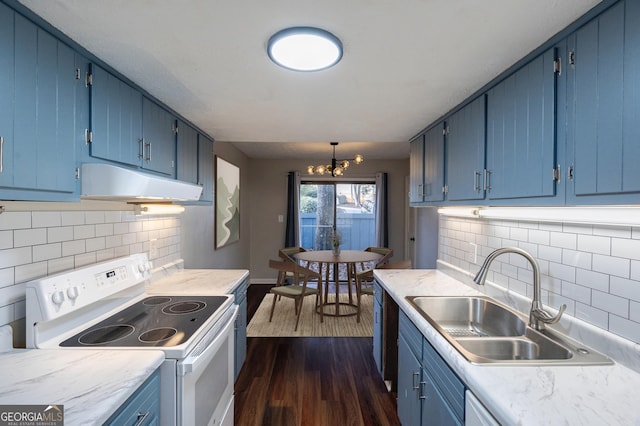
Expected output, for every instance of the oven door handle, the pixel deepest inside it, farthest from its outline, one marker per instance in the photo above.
(210, 343)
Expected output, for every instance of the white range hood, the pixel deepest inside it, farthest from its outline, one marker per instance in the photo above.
(108, 182)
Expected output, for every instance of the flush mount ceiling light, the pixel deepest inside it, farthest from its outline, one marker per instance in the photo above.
(304, 49)
(337, 167)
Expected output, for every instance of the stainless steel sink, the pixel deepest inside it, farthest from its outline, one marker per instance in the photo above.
(486, 332)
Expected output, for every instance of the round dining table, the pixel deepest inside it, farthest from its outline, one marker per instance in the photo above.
(326, 258)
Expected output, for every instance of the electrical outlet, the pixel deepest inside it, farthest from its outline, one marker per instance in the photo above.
(153, 248)
(280, 218)
(475, 253)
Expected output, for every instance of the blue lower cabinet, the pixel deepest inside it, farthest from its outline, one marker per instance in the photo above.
(142, 408)
(240, 298)
(378, 327)
(429, 392)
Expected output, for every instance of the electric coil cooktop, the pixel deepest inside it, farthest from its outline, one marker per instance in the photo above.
(157, 321)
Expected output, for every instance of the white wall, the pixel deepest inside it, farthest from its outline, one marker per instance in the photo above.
(594, 269)
(36, 243)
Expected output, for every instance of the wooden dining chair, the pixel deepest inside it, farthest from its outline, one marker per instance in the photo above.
(365, 276)
(298, 290)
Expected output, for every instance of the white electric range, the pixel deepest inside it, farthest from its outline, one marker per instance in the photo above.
(104, 306)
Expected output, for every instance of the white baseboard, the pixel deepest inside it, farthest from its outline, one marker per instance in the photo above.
(262, 281)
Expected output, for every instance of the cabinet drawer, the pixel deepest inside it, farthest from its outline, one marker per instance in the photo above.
(444, 378)
(146, 400)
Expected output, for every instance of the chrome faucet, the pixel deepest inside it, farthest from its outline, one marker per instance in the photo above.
(538, 317)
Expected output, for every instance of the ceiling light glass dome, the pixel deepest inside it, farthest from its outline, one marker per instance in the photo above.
(304, 49)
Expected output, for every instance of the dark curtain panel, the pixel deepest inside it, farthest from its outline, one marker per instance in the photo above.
(291, 229)
(382, 209)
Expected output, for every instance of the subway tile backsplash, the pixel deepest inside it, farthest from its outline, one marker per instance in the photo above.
(39, 243)
(594, 269)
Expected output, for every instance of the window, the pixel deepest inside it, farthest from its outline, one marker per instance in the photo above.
(350, 206)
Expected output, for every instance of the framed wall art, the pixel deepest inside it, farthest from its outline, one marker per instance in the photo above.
(227, 203)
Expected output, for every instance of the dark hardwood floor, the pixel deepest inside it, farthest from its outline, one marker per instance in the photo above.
(310, 380)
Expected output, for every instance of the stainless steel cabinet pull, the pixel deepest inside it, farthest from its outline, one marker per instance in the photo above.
(1, 154)
(476, 181)
(422, 395)
(487, 180)
(148, 146)
(413, 380)
(141, 418)
(140, 148)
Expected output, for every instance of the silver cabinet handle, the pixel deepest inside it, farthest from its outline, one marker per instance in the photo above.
(476, 181)
(487, 180)
(421, 394)
(1, 154)
(141, 418)
(141, 148)
(148, 146)
(413, 380)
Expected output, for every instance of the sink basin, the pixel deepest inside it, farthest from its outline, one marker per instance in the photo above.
(470, 316)
(486, 332)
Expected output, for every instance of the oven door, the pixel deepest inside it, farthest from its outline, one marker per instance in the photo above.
(205, 377)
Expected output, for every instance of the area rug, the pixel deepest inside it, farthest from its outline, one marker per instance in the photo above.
(284, 320)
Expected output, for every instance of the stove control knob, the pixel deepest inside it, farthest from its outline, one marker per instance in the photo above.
(58, 297)
(72, 292)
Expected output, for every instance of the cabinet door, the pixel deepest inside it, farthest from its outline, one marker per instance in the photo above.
(521, 144)
(416, 170)
(159, 138)
(377, 333)
(408, 384)
(7, 72)
(39, 151)
(435, 409)
(205, 167)
(116, 119)
(187, 153)
(465, 146)
(605, 130)
(434, 164)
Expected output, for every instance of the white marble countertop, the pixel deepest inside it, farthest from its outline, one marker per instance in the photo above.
(523, 395)
(91, 384)
(195, 281)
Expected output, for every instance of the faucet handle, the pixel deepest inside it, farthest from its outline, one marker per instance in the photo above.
(543, 316)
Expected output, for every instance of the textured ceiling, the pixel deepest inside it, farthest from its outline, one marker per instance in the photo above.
(406, 62)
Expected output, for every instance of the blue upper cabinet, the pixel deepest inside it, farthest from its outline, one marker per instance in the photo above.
(195, 159)
(434, 164)
(465, 145)
(416, 170)
(116, 119)
(128, 128)
(39, 79)
(7, 84)
(521, 143)
(604, 126)
(205, 167)
(187, 153)
(159, 138)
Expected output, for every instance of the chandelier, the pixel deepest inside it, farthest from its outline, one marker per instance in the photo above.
(337, 167)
